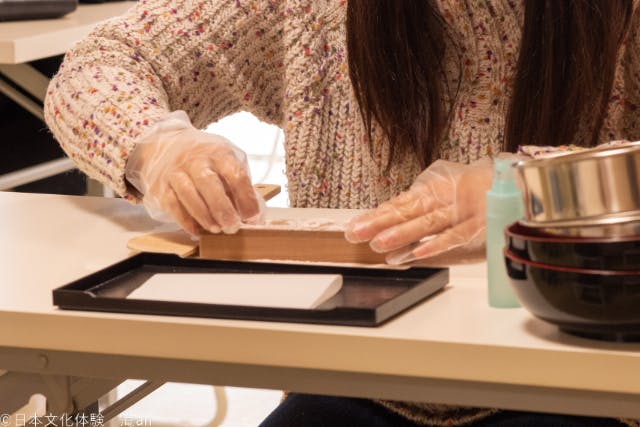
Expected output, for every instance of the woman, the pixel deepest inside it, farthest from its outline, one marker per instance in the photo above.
(427, 89)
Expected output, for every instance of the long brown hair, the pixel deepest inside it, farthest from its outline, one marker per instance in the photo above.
(564, 75)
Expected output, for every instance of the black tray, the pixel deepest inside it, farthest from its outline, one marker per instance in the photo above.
(368, 296)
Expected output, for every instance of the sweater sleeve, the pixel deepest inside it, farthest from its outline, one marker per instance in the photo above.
(209, 58)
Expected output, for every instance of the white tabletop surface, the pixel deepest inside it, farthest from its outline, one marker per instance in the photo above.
(22, 41)
(47, 241)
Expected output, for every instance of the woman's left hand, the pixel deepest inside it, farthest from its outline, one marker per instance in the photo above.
(445, 209)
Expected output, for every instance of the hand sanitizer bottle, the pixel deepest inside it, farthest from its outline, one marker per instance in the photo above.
(504, 206)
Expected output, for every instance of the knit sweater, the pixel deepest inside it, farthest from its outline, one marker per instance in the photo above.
(285, 62)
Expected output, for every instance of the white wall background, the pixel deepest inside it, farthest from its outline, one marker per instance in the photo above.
(263, 144)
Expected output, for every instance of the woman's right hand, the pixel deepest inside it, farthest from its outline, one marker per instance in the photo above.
(200, 180)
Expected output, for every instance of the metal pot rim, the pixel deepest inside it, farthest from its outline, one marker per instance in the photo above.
(589, 154)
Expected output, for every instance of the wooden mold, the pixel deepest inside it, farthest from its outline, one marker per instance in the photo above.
(179, 242)
(315, 235)
(287, 245)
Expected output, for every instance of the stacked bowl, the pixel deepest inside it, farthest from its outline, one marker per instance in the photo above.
(574, 259)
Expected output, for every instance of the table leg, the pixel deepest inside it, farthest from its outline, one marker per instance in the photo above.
(64, 394)
(34, 83)
(28, 78)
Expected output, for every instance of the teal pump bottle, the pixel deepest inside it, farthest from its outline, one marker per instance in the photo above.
(504, 206)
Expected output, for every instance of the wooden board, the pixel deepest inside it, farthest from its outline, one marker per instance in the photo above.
(288, 245)
(267, 191)
(176, 242)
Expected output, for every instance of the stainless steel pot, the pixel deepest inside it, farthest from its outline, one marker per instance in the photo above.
(598, 187)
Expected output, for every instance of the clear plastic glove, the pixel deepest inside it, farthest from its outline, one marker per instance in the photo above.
(197, 179)
(443, 211)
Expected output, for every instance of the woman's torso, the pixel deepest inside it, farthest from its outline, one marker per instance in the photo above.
(329, 162)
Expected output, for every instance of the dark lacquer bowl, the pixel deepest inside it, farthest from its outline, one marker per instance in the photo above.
(597, 253)
(603, 304)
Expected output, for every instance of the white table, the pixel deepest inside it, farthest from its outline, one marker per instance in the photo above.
(451, 349)
(24, 41)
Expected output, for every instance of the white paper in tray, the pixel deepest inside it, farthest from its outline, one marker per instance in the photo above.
(261, 290)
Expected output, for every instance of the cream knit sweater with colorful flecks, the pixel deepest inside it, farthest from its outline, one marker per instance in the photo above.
(285, 62)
